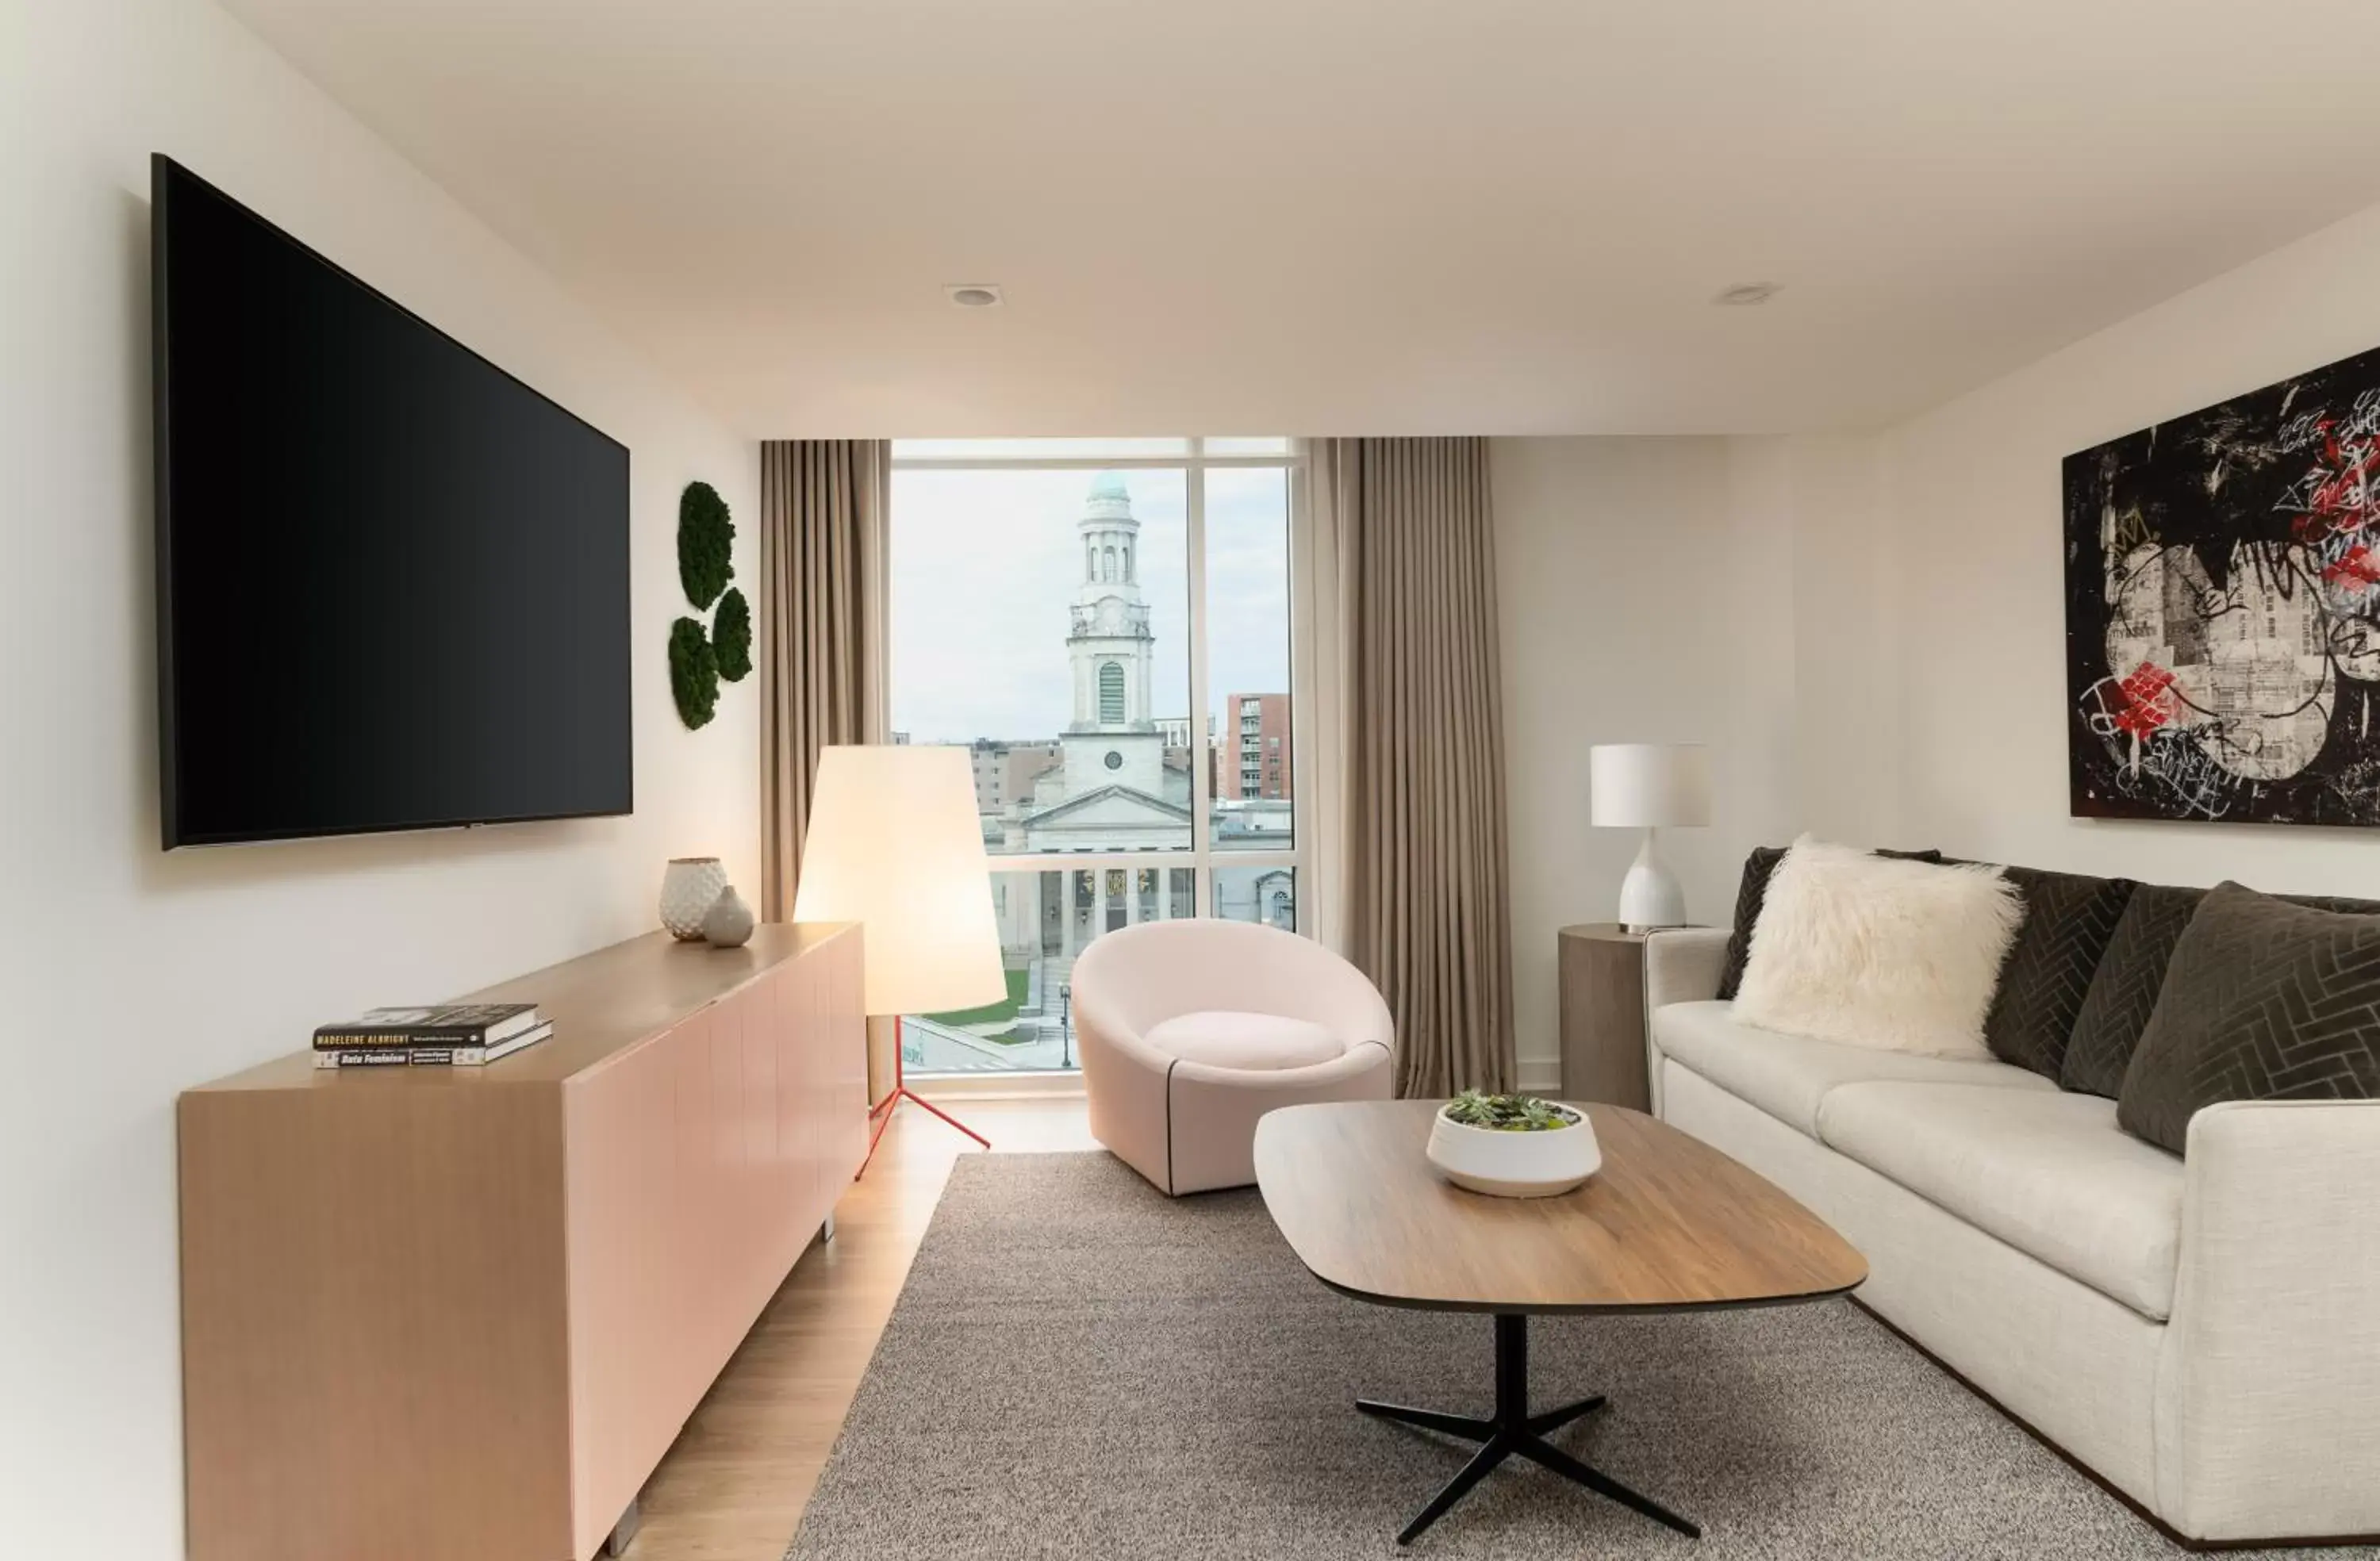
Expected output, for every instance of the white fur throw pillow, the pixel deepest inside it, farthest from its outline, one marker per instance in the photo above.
(1876, 951)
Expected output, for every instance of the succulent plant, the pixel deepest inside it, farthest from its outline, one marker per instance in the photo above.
(1508, 1113)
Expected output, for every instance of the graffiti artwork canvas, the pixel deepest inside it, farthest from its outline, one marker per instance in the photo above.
(2223, 610)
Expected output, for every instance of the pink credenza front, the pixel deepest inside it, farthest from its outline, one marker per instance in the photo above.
(452, 1315)
(700, 1168)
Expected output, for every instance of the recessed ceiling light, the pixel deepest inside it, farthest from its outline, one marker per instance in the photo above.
(973, 295)
(1744, 294)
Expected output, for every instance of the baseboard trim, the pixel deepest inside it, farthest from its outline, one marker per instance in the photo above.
(1538, 1075)
(2203, 1547)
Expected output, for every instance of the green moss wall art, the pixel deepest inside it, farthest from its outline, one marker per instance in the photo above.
(705, 563)
(731, 636)
(706, 544)
(694, 673)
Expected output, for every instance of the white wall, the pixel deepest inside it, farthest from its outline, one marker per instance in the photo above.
(1977, 594)
(1868, 629)
(126, 973)
(1644, 596)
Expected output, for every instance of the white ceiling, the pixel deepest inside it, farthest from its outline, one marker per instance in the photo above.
(1376, 216)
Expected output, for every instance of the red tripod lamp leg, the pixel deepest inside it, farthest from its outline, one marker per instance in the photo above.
(881, 1112)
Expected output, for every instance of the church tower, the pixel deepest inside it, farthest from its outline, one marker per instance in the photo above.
(1113, 738)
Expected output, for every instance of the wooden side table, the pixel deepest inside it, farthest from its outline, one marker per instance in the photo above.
(1603, 1015)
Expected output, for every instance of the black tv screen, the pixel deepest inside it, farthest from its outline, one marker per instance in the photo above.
(391, 579)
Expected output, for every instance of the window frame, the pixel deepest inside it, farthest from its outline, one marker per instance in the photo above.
(1201, 855)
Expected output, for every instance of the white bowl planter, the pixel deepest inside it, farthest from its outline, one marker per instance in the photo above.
(1507, 1164)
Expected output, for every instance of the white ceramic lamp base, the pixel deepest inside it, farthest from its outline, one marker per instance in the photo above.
(1650, 896)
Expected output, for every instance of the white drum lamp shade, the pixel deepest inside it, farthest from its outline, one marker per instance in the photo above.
(1649, 786)
(894, 844)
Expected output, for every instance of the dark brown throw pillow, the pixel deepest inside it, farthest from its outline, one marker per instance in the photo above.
(2264, 1000)
(1750, 895)
(2124, 990)
(2069, 920)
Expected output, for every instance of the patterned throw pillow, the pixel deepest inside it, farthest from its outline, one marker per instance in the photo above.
(2124, 988)
(2262, 1000)
(2069, 920)
(1753, 891)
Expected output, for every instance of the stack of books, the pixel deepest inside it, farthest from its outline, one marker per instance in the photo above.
(448, 1035)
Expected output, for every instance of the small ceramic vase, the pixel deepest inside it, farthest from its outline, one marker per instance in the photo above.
(688, 890)
(729, 923)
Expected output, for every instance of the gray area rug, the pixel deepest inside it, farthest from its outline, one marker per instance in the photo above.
(1080, 1367)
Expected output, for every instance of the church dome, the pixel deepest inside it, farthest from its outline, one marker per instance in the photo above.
(1109, 498)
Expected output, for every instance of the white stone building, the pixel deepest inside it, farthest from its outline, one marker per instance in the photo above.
(1116, 782)
(1121, 782)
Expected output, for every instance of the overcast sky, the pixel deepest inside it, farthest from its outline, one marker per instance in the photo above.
(986, 564)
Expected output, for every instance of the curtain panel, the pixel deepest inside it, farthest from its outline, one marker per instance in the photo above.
(1427, 912)
(823, 510)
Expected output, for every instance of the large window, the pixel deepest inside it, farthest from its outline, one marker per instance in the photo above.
(1106, 627)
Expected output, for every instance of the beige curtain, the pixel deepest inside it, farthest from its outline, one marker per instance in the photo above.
(1422, 749)
(823, 504)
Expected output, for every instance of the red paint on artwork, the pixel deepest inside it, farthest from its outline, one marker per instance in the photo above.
(2349, 492)
(2358, 569)
(2147, 692)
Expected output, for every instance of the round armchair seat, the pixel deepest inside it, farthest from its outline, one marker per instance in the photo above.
(1252, 1042)
(1191, 1030)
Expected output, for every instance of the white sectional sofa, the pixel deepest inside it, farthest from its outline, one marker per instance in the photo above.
(2203, 1333)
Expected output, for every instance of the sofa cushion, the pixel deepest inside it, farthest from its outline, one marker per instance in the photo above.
(2046, 1171)
(1749, 895)
(1251, 1042)
(2262, 1000)
(2124, 988)
(2069, 918)
(1789, 1076)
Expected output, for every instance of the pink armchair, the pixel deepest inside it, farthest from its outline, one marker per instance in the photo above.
(1191, 1030)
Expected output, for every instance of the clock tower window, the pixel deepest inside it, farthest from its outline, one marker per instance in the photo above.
(1111, 691)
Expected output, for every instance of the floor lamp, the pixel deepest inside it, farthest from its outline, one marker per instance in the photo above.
(894, 844)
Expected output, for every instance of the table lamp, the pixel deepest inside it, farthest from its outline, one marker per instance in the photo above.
(1649, 786)
(895, 845)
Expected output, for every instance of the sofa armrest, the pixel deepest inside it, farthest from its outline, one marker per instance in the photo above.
(2268, 1389)
(1683, 965)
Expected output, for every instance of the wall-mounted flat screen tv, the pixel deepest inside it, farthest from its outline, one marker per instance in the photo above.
(391, 579)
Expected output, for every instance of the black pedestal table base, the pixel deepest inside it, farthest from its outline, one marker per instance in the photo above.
(1512, 1432)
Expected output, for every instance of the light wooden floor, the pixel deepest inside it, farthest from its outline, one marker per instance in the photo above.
(734, 1486)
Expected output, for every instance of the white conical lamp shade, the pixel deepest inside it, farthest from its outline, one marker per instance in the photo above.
(894, 844)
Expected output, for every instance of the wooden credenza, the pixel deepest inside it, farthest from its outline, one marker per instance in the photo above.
(434, 1314)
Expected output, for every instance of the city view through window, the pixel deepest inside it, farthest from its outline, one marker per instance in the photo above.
(1106, 627)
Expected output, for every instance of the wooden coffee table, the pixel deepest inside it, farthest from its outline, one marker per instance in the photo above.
(1669, 1224)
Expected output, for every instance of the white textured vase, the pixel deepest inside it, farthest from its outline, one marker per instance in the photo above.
(1514, 1165)
(689, 888)
(728, 924)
